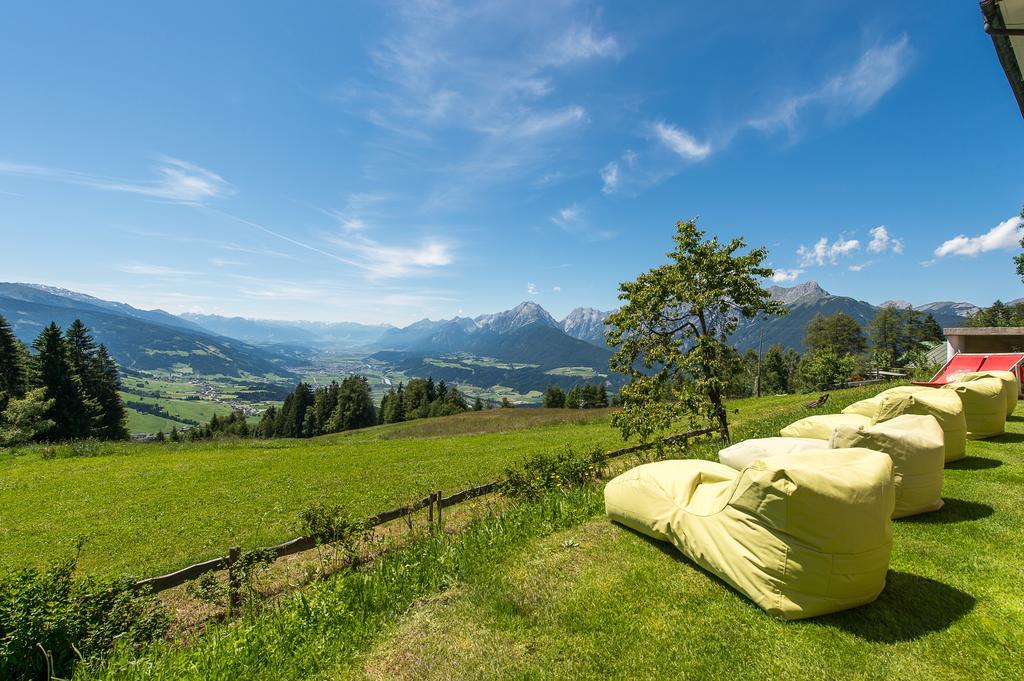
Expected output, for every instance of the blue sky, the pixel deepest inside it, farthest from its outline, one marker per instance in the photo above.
(386, 162)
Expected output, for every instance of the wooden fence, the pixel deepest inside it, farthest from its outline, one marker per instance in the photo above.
(432, 501)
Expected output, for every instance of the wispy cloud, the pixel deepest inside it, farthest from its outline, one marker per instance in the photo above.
(680, 142)
(783, 276)
(824, 252)
(556, 289)
(846, 95)
(531, 289)
(583, 42)
(573, 220)
(882, 241)
(1006, 235)
(177, 180)
(857, 267)
(152, 270)
(610, 177)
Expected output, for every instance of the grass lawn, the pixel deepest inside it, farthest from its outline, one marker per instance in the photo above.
(147, 508)
(600, 601)
(150, 508)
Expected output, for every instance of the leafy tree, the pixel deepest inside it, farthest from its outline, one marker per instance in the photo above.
(70, 412)
(839, 332)
(777, 370)
(25, 418)
(478, 405)
(506, 404)
(173, 437)
(574, 398)
(886, 331)
(827, 367)
(554, 397)
(675, 323)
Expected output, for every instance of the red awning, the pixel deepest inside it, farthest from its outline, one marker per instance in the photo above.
(963, 363)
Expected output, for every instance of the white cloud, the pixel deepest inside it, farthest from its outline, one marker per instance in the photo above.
(177, 180)
(1006, 235)
(823, 252)
(881, 241)
(861, 265)
(610, 177)
(572, 220)
(152, 270)
(582, 43)
(851, 93)
(546, 122)
(531, 289)
(782, 276)
(556, 289)
(386, 262)
(681, 142)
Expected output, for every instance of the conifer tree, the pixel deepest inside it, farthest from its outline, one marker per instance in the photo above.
(13, 378)
(113, 417)
(70, 413)
(478, 405)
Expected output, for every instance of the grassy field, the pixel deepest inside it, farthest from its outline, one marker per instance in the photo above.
(150, 508)
(561, 607)
(145, 509)
(551, 589)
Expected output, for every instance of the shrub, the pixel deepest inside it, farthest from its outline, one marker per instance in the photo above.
(564, 470)
(70, 619)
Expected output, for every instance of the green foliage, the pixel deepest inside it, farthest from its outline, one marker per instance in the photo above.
(999, 314)
(587, 396)
(208, 589)
(13, 364)
(779, 371)
(554, 397)
(897, 334)
(506, 403)
(827, 368)
(544, 472)
(421, 398)
(671, 332)
(72, 619)
(839, 333)
(24, 419)
(477, 404)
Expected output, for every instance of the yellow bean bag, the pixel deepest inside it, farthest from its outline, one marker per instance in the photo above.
(800, 534)
(742, 454)
(820, 426)
(1011, 388)
(915, 445)
(923, 401)
(984, 406)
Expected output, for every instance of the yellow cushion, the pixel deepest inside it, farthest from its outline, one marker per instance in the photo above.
(742, 454)
(984, 406)
(1011, 388)
(820, 426)
(801, 534)
(924, 401)
(915, 445)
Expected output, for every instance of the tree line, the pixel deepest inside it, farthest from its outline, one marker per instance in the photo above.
(585, 396)
(67, 389)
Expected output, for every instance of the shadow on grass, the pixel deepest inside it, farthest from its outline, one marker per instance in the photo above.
(910, 607)
(1014, 417)
(974, 463)
(1006, 437)
(952, 511)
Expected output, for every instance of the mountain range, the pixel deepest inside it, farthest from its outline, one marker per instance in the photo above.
(526, 335)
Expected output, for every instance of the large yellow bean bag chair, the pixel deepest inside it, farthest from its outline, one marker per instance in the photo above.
(921, 400)
(820, 426)
(984, 406)
(915, 445)
(742, 454)
(1011, 388)
(800, 534)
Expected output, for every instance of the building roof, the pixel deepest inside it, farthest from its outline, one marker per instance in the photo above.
(1004, 21)
(984, 331)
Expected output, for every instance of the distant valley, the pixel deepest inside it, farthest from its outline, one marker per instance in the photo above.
(172, 364)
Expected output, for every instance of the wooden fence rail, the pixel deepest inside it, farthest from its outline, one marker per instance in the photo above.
(431, 501)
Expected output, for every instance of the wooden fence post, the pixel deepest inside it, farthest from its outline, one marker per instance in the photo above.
(440, 524)
(430, 510)
(234, 581)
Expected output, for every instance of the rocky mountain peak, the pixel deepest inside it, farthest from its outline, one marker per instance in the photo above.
(791, 294)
